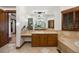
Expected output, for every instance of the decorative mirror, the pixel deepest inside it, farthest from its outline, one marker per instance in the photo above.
(51, 24)
(40, 25)
(30, 24)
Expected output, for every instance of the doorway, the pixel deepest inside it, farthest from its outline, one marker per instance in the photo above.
(12, 25)
(4, 26)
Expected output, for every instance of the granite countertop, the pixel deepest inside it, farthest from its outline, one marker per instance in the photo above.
(29, 33)
(44, 32)
(26, 33)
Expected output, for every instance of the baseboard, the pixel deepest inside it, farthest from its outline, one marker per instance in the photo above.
(20, 46)
(10, 39)
(23, 44)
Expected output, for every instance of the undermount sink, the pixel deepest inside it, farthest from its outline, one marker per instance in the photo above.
(77, 43)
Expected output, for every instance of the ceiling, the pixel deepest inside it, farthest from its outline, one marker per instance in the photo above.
(8, 6)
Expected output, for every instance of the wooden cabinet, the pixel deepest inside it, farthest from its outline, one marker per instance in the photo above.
(70, 19)
(44, 40)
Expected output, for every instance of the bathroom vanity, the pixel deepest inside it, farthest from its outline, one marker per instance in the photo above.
(44, 39)
(41, 38)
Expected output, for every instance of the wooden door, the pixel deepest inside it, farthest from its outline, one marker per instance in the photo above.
(3, 28)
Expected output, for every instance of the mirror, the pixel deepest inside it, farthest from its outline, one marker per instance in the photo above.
(51, 24)
(40, 25)
(30, 24)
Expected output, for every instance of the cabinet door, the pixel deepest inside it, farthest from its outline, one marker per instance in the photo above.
(52, 39)
(35, 40)
(43, 40)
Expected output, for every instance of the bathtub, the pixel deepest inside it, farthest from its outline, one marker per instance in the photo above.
(67, 45)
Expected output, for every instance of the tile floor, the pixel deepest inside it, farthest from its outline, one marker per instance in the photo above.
(26, 48)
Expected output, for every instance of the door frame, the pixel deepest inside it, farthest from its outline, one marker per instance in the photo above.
(10, 11)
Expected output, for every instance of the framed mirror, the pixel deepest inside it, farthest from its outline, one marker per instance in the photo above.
(30, 24)
(51, 24)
